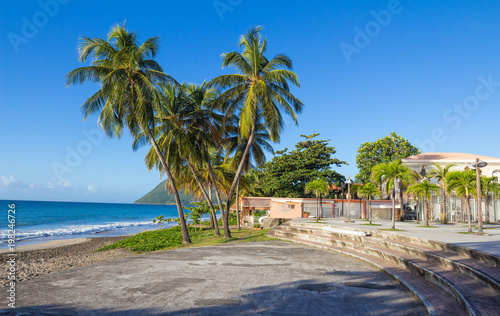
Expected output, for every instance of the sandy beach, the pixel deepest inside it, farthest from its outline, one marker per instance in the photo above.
(36, 260)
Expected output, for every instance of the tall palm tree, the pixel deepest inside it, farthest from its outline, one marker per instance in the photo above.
(368, 190)
(261, 87)
(388, 174)
(424, 189)
(128, 97)
(489, 185)
(440, 174)
(318, 187)
(464, 185)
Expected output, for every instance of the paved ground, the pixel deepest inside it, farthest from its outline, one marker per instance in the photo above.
(272, 277)
(449, 233)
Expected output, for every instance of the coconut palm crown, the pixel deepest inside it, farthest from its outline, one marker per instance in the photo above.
(260, 89)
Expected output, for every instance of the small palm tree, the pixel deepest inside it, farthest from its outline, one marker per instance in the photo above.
(424, 189)
(318, 187)
(440, 174)
(464, 185)
(388, 174)
(489, 185)
(368, 190)
(260, 89)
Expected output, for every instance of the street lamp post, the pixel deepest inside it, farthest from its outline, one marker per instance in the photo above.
(343, 187)
(349, 182)
(479, 165)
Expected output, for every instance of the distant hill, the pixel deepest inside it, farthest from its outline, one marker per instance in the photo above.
(161, 196)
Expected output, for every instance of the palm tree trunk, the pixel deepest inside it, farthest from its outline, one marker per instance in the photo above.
(182, 220)
(426, 212)
(237, 176)
(210, 204)
(238, 205)
(317, 209)
(394, 206)
(216, 187)
(468, 214)
(320, 206)
(445, 210)
(212, 225)
(370, 211)
(401, 210)
(487, 201)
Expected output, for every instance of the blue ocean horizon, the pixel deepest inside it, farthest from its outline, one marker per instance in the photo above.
(41, 221)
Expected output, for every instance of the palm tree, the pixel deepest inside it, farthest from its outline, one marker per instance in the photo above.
(388, 174)
(235, 146)
(368, 190)
(440, 174)
(128, 97)
(489, 185)
(184, 134)
(261, 87)
(464, 184)
(424, 189)
(318, 187)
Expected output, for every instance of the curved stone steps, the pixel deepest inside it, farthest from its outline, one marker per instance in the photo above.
(455, 272)
(432, 297)
(387, 256)
(484, 272)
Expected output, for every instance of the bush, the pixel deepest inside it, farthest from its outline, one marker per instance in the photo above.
(152, 240)
(257, 225)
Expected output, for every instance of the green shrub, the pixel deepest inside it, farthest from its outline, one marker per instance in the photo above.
(152, 240)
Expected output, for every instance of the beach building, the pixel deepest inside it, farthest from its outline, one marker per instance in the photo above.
(302, 207)
(423, 163)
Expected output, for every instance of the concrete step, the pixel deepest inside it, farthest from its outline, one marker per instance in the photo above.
(476, 298)
(432, 297)
(480, 271)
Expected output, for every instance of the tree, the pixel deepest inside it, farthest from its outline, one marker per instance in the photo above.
(489, 185)
(388, 174)
(128, 96)
(464, 184)
(184, 132)
(318, 187)
(368, 190)
(424, 189)
(385, 150)
(260, 89)
(287, 173)
(440, 174)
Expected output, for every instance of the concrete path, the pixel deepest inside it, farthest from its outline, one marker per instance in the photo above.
(449, 233)
(271, 278)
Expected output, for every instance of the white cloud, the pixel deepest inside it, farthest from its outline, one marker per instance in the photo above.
(58, 183)
(8, 181)
(91, 188)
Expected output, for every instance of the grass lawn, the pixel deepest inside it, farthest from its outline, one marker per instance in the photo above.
(171, 238)
(372, 224)
(430, 226)
(393, 230)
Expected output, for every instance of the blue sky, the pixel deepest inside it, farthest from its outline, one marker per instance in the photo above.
(429, 71)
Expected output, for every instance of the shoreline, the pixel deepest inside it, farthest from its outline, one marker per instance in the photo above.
(36, 260)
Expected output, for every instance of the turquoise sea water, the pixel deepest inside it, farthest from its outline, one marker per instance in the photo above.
(37, 221)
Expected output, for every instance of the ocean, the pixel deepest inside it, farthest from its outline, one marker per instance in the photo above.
(37, 221)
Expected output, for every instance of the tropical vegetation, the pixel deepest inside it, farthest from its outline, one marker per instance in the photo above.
(424, 189)
(318, 187)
